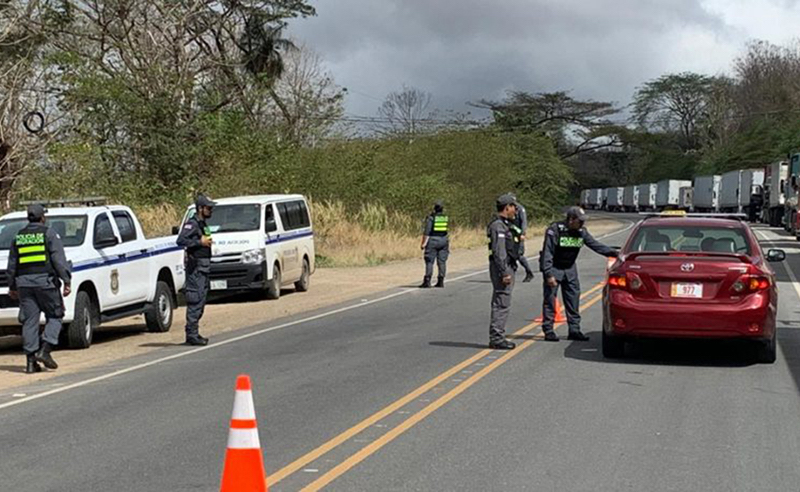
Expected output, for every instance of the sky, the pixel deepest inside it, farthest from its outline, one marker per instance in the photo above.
(466, 50)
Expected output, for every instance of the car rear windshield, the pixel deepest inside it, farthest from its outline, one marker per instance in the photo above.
(72, 230)
(233, 218)
(659, 239)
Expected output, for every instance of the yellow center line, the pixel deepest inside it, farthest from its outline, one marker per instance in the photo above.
(382, 441)
(345, 436)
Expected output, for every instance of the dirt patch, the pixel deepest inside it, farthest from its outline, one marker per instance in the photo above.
(329, 286)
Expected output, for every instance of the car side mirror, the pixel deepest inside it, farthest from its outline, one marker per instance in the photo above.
(175, 230)
(776, 255)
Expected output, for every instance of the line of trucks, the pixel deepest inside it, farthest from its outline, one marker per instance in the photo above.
(768, 195)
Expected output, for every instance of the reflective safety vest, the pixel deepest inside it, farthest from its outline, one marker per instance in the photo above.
(32, 253)
(440, 225)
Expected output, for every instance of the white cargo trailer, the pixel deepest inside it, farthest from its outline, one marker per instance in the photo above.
(776, 177)
(630, 199)
(595, 198)
(751, 197)
(604, 194)
(729, 188)
(584, 198)
(706, 193)
(668, 193)
(686, 198)
(647, 196)
(614, 199)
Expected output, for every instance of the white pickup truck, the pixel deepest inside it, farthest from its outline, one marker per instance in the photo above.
(116, 271)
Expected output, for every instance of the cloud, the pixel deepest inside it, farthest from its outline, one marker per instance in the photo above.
(465, 50)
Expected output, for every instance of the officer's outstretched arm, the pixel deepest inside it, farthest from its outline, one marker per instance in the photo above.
(597, 246)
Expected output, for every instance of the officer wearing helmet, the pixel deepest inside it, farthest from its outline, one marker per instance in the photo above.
(435, 244)
(37, 266)
(562, 244)
(195, 238)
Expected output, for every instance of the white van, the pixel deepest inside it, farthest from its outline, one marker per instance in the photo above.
(261, 243)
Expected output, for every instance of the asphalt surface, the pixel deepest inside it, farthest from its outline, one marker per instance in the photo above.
(451, 415)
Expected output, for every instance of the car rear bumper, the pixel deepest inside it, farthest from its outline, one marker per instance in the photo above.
(239, 276)
(624, 315)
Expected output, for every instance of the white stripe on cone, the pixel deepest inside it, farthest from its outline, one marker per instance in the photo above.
(243, 408)
(243, 439)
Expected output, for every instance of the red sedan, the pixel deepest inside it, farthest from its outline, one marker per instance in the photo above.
(691, 277)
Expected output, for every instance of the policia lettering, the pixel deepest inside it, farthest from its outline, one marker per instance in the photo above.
(32, 248)
(436, 245)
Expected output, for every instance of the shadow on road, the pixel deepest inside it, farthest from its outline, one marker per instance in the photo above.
(459, 345)
(700, 353)
(18, 368)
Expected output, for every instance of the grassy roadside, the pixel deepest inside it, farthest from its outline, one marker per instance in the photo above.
(369, 237)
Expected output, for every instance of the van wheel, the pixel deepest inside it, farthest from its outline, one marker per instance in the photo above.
(274, 285)
(159, 314)
(78, 334)
(613, 347)
(305, 279)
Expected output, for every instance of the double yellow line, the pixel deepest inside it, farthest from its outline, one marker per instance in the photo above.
(410, 422)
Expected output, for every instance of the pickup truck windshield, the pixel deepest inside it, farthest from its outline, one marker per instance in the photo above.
(72, 230)
(233, 218)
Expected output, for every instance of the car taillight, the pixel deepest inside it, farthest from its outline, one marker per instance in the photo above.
(750, 283)
(631, 281)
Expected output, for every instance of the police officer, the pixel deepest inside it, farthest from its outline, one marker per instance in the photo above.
(503, 257)
(562, 243)
(435, 244)
(37, 266)
(520, 230)
(195, 238)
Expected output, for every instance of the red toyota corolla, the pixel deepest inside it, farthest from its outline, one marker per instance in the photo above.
(687, 276)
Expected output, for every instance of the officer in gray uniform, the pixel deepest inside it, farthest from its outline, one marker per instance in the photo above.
(195, 238)
(503, 257)
(520, 229)
(37, 266)
(435, 244)
(562, 244)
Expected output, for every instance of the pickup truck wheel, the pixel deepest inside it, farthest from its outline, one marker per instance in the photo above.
(302, 284)
(79, 333)
(613, 347)
(274, 285)
(159, 315)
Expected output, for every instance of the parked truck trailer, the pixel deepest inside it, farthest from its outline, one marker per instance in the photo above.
(647, 196)
(614, 199)
(706, 193)
(668, 193)
(630, 199)
(730, 186)
(775, 179)
(685, 199)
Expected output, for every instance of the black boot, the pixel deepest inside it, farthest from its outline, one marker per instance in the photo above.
(43, 356)
(32, 366)
(528, 277)
(426, 283)
(440, 283)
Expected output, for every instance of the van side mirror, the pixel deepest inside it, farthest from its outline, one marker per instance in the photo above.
(272, 226)
(776, 255)
(175, 230)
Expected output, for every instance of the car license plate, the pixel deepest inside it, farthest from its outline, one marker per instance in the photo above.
(219, 284)
(687, 290)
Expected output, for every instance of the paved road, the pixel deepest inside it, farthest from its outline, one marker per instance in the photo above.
(400, 393)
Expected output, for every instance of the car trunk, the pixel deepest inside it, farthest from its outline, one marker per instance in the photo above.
(688, 278)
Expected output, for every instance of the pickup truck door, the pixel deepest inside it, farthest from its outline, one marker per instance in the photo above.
(137, 270)
(117, 280)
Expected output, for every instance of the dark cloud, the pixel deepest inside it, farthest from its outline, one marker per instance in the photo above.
(465, 50)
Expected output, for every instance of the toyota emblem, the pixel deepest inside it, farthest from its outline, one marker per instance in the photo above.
(687, 267)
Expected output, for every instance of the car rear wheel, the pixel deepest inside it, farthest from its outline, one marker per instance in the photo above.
(767, 351)
(613, 347)
(159, 315)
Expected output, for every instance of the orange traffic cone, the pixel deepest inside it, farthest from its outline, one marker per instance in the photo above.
(560, 318)
(244, 464)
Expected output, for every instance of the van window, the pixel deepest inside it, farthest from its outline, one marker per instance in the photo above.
(125, 225)
(294, 215)
(270, 225)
